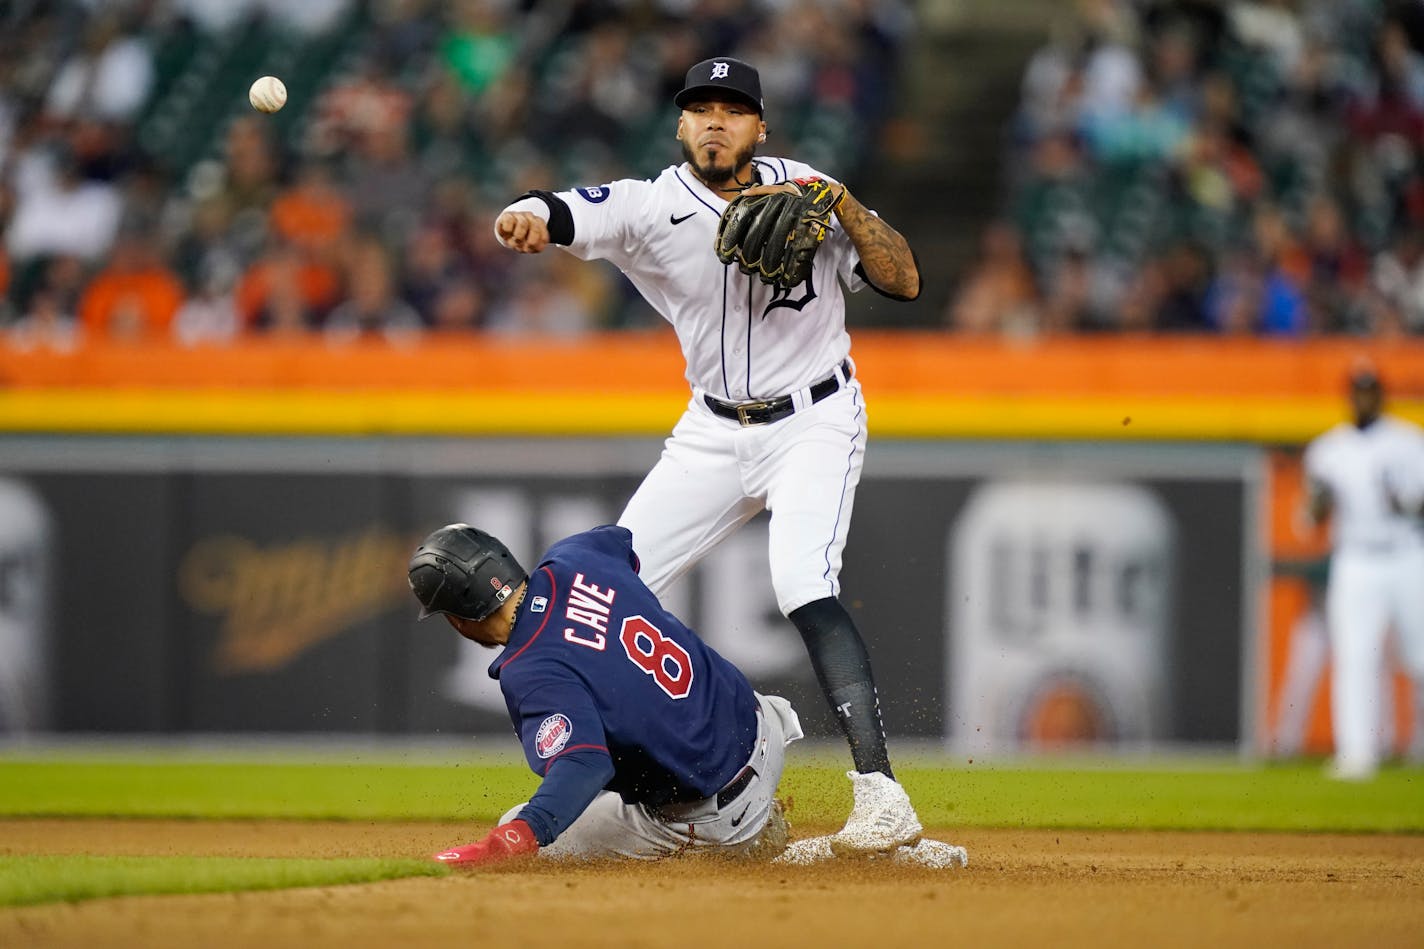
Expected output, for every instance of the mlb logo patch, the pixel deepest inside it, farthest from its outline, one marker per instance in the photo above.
(539, 604)
(553, 735)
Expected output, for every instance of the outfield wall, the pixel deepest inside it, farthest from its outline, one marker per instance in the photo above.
(1052, 539)
(920, 385)
(232, 585)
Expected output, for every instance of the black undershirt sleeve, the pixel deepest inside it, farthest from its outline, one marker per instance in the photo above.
(561, 219)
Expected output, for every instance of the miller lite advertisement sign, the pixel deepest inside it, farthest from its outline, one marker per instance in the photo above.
(1061, 618)
(1013, 597)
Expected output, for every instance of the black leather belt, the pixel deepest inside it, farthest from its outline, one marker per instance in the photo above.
(736, 786)
(764, 411)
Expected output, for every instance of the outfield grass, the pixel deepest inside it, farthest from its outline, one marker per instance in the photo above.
(1111, 797)
(325, 791)
(26, 880)
(1223, 797)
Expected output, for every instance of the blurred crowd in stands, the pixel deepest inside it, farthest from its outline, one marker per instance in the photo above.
(1216, 166)
(141, 197)
(1221, 166)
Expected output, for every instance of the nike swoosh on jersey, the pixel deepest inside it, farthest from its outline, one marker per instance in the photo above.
(678, 220)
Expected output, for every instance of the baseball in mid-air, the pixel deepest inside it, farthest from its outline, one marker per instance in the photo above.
(267, 94)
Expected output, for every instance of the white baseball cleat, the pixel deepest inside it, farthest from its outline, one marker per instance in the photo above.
(931, 854)
(803, 853)
(1350, 771)
(881, 820)
(935, 854)
(771, 842)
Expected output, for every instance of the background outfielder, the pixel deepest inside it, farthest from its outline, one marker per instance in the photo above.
(777, 419)
(1367, 475)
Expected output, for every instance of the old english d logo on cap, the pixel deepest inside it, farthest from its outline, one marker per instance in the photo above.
(720, 77)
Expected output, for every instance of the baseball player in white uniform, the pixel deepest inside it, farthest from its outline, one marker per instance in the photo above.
(1367, 476)
(776, 419)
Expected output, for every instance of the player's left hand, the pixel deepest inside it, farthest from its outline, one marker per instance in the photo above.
(774, 231)
(787, 187)
(506, 841)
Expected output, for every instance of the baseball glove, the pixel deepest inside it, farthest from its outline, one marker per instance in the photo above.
(774, 231)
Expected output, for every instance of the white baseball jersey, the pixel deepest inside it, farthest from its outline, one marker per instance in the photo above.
(741, 338)
(1376, 573)
(1356, 467)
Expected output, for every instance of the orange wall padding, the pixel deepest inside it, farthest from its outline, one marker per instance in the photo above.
(902, 363)
(1144, 365)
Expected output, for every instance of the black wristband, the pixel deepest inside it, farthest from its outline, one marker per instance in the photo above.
(561, 219)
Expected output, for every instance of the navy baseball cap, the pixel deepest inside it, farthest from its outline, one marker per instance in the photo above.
(720, 77)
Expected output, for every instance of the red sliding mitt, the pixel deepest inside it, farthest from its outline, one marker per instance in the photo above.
(513, 839)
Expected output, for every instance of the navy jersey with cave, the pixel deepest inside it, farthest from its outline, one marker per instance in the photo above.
(595, 668)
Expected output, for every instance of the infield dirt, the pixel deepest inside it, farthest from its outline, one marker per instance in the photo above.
(1022, 888)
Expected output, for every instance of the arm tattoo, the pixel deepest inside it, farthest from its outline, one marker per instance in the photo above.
(884, 253)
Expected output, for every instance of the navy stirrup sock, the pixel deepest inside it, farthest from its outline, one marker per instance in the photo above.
(842, 665)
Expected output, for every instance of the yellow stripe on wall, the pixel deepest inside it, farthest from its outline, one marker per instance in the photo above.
(473, 413)
(326, 412)
(1106, 418)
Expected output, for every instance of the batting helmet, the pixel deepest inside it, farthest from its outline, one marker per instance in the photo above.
(462, 571)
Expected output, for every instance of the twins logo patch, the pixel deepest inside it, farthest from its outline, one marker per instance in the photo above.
(539, 604)
(594, 195)
(553, 735)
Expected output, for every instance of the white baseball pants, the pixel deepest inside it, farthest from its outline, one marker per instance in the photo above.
(716, 474)
(1368, 592)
